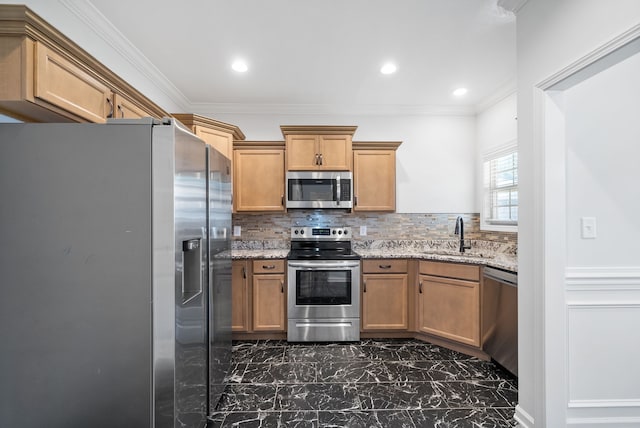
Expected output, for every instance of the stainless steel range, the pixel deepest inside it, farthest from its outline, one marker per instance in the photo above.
(324, 286)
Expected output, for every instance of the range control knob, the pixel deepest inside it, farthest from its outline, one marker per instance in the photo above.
(334, 232)
(296, 231)
(340, 232)
(346, 231)
(302, 232)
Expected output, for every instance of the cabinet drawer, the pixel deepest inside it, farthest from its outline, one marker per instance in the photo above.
(384, 266)
(268, 266)
(450, 270)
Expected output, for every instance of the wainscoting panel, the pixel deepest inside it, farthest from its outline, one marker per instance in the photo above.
(603, 346)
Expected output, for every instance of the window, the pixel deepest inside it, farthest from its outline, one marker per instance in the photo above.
(500, 207)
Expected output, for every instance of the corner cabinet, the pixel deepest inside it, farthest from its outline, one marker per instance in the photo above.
(385, 295)
(48, 78)
(374, 175)
(269, 296)
(313, 148)
(218, 135)
(449, 301)
(258, 176)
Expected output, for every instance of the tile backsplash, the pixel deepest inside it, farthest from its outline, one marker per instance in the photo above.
(380, 226)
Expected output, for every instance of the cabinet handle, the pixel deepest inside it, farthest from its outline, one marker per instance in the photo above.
(282, 200)
(355, 200)
(268, 267)
(420, 287)
(321, 159)
(281, 286)
(244, 272)
(317, 159)
(121, 110)
(364, 289)
(110, 115)
(384, 266)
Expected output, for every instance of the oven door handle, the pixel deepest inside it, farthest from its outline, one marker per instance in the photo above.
(324, 265)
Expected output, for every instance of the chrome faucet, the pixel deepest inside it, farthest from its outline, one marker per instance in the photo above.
(459, 230)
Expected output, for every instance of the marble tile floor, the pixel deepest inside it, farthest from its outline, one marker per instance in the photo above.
(373, 383)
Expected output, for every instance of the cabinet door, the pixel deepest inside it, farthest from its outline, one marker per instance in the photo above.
(302, 152)
(63, 84)
(268, 303)
(221, 141)
(335, 152)
(125, 109)
(374, 174)
(258, 180)
(240, 296)
(384, 302)
(449, 308)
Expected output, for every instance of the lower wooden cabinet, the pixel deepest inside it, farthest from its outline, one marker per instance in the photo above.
(385, 295)
(269, 296)
(449, 307)
(240, 296)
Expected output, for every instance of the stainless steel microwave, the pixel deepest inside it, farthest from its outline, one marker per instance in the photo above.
(319, 189)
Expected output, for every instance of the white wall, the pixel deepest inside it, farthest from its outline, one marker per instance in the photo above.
(602, 152)
(496, 126)
(436, 163)
(551, 35)
(603, 166)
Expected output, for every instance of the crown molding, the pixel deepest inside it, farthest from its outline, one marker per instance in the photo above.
(103, 28)
(331, 110)
(513, 6)
(498, 95)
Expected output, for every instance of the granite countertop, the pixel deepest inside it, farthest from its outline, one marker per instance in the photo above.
(260, 254)
(502, 256)
(501, 261)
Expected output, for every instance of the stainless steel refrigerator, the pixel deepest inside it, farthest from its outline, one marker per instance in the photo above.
(115, 275)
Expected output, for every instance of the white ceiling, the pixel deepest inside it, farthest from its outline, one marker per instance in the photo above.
(324, 54)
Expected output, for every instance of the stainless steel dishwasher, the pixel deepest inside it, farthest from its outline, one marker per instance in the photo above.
(500, 317)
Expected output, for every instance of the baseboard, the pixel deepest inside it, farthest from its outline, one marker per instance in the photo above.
(524, 419)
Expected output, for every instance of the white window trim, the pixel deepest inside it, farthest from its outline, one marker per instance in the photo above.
(488, 155)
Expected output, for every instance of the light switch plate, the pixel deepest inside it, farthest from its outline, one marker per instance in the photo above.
(363, 230)
(237, 230)
(588, 227)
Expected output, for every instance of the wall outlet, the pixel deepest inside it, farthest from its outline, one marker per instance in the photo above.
(237, 230)
(588, 227)
(363, 230)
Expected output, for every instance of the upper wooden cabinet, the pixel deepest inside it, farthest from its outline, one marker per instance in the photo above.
(217, 134)
(48, 78)
(258, 176)
(311, 148)
(374, 175)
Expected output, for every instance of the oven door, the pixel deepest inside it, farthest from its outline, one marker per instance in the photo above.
(322, 289)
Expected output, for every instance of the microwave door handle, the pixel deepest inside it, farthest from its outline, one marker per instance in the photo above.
(338, 190)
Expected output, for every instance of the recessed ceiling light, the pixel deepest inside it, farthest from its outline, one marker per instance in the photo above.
(240, 66)
(460, 92)
(388, 68)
